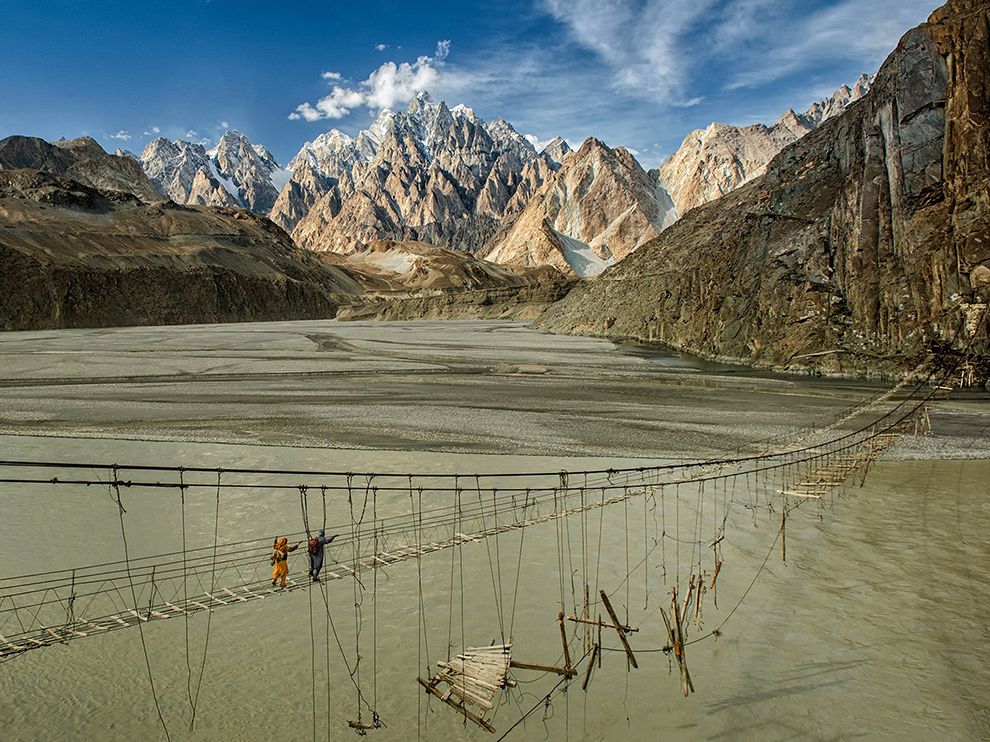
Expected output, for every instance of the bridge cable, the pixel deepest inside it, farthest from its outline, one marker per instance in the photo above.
(115, 494)
(209, 613)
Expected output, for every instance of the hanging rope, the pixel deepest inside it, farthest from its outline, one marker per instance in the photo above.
(115, 494)
(185, 589)
(209, 614)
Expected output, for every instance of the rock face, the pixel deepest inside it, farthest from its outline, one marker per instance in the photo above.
(77, 256)
(431, 173)
(865, 242)
(713, 161)
(525, 302)
(82, 160)
(234, 173)
(599, 207)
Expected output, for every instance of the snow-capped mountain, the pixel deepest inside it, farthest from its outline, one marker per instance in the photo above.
(431, 173)
(233, 173)
(713, 161)
(600, 206)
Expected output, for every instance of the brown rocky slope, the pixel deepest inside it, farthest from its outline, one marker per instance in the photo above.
(77, 256)
(866, 241)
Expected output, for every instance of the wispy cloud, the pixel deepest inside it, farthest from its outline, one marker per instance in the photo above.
(643, 43)
(661, 49)
(381, 47)
(846, 31)
(121, 136)
(389, 85)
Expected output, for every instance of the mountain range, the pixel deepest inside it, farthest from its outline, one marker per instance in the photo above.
(443, 176)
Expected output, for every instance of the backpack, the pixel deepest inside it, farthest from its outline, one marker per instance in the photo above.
(313, 546)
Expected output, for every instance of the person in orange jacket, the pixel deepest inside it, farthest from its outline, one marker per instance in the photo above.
(280, 559)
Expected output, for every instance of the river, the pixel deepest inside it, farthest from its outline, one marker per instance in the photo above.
(874, 627)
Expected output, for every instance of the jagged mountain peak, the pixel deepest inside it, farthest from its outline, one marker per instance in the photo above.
(557, 150)
(234, 172)
(713, 161)
(428, 172)
(599, 206)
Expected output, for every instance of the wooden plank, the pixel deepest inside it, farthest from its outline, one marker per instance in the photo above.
(469, 695)
(11, 645)
(361, 725)
(475, 679)
(458, 707)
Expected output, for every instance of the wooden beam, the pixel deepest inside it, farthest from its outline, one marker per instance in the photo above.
(618, 630)
(568, 672)
(563, 640)
(578, 619)
(587, 676)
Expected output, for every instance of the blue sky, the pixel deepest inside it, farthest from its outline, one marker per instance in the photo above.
(637, 73)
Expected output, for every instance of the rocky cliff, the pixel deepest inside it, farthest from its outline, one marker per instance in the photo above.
(600, 206)
(713, 161)
(865, 243)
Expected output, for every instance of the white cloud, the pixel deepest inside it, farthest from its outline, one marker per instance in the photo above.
(122, 136)
(388, 86)
(381, 47)
(192, 133)
(223, 124)
(330, 75)
(152, 131)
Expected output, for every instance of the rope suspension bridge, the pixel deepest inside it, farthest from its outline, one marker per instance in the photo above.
(393, 518)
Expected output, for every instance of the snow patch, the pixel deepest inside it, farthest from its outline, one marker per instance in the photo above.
(227, 183)
(582, 259)
(279, 177)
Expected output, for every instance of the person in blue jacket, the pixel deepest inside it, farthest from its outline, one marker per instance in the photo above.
(315, 549)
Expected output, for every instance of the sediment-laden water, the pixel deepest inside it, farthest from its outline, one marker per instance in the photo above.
(874, 627)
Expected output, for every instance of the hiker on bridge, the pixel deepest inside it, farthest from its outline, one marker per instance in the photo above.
(280, 559)
(315, 549)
